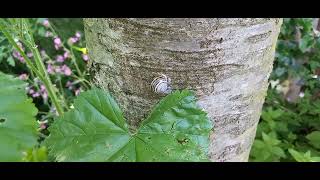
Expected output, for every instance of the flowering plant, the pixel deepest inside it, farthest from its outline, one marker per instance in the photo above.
(64, 61)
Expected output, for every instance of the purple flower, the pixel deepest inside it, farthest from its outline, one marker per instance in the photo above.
(50, 69)
(36, 94)
(57, 43)
(78, 35)
(60, 58)
(66, 70)
(43, 126)
(29, 54)
(66, 55)
(21, 59)
(31, 91)
(57, 40)
(17, 55)
(43, 92)
(46, 23)
(42, 88)
(23, 76)
(72, 40)
(75, 38)
(85, 57)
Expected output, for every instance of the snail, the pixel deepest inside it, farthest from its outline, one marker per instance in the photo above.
(161, 85)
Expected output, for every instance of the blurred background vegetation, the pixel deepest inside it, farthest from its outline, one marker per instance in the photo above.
(289, 127)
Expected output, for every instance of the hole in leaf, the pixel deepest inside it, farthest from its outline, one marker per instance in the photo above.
(2, 120)
(183, 141)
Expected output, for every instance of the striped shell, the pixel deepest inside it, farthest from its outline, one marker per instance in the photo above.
(161, 85)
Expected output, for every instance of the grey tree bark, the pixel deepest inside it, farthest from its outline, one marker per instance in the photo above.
(227, 63)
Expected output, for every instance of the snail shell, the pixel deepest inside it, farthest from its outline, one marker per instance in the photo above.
(161, 85)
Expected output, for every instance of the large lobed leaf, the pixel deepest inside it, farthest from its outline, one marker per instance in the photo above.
(18, 127)
(176, 130)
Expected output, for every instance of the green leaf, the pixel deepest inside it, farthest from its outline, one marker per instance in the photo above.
(305, 23)
(303, 157)
(36, 155)
(94, 131)
(270, 139)
(279, 152)
(268, 149)
(18, 127)
(42, 31)
(280, 71)
(298, 156)
(314, 139)
(176, 130)
(11, 62)
(314, 65)
(292, 136)
(259, 152)
(305, 43)
(183, 127)
(271, 114)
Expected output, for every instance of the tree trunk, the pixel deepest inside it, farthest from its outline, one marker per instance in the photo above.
(226, 62)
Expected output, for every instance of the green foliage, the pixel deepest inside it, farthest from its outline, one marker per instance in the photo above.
(314, 139)
(290, 130)
(176, 130)
(36, 155)
(18, 127)
(303, 157)
(267, 149)
(95, 130)
(5, 51)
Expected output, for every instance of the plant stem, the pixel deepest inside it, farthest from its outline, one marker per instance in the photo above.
(15, 45)
(46, 79)
(62, 94)
(39, 69)
(82, 81)
(73, 58)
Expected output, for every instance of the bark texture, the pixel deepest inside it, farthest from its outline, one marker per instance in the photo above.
(227, 63)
